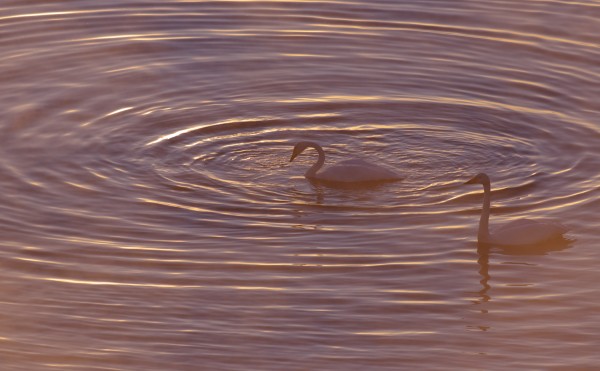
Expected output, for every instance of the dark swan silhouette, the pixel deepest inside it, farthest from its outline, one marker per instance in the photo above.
(347, 171)
(522, 232)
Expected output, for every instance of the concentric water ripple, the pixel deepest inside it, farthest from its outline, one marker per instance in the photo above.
(151, 218)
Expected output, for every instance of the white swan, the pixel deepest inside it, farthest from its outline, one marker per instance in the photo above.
(522, 232)
(347, 171)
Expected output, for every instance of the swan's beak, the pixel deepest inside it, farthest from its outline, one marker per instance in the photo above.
(473, 180)
(294, 155)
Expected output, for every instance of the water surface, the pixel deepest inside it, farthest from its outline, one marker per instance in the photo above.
(150, 218)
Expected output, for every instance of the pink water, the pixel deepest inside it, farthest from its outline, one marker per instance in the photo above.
(150, 219)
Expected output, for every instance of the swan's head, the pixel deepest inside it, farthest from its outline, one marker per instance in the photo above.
(480, 178)
(298, 149)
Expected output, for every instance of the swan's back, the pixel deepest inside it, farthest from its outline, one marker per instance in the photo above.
(527, 232)
(356, 170)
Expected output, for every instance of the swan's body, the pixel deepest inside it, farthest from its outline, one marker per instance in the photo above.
(522, 232)
(347, 171)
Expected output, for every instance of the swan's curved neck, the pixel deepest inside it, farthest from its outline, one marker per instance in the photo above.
(312, 172)
(484, 230)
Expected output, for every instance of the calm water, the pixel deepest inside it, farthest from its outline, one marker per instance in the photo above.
(150, 219)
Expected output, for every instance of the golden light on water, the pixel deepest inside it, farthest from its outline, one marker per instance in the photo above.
(150, 218)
